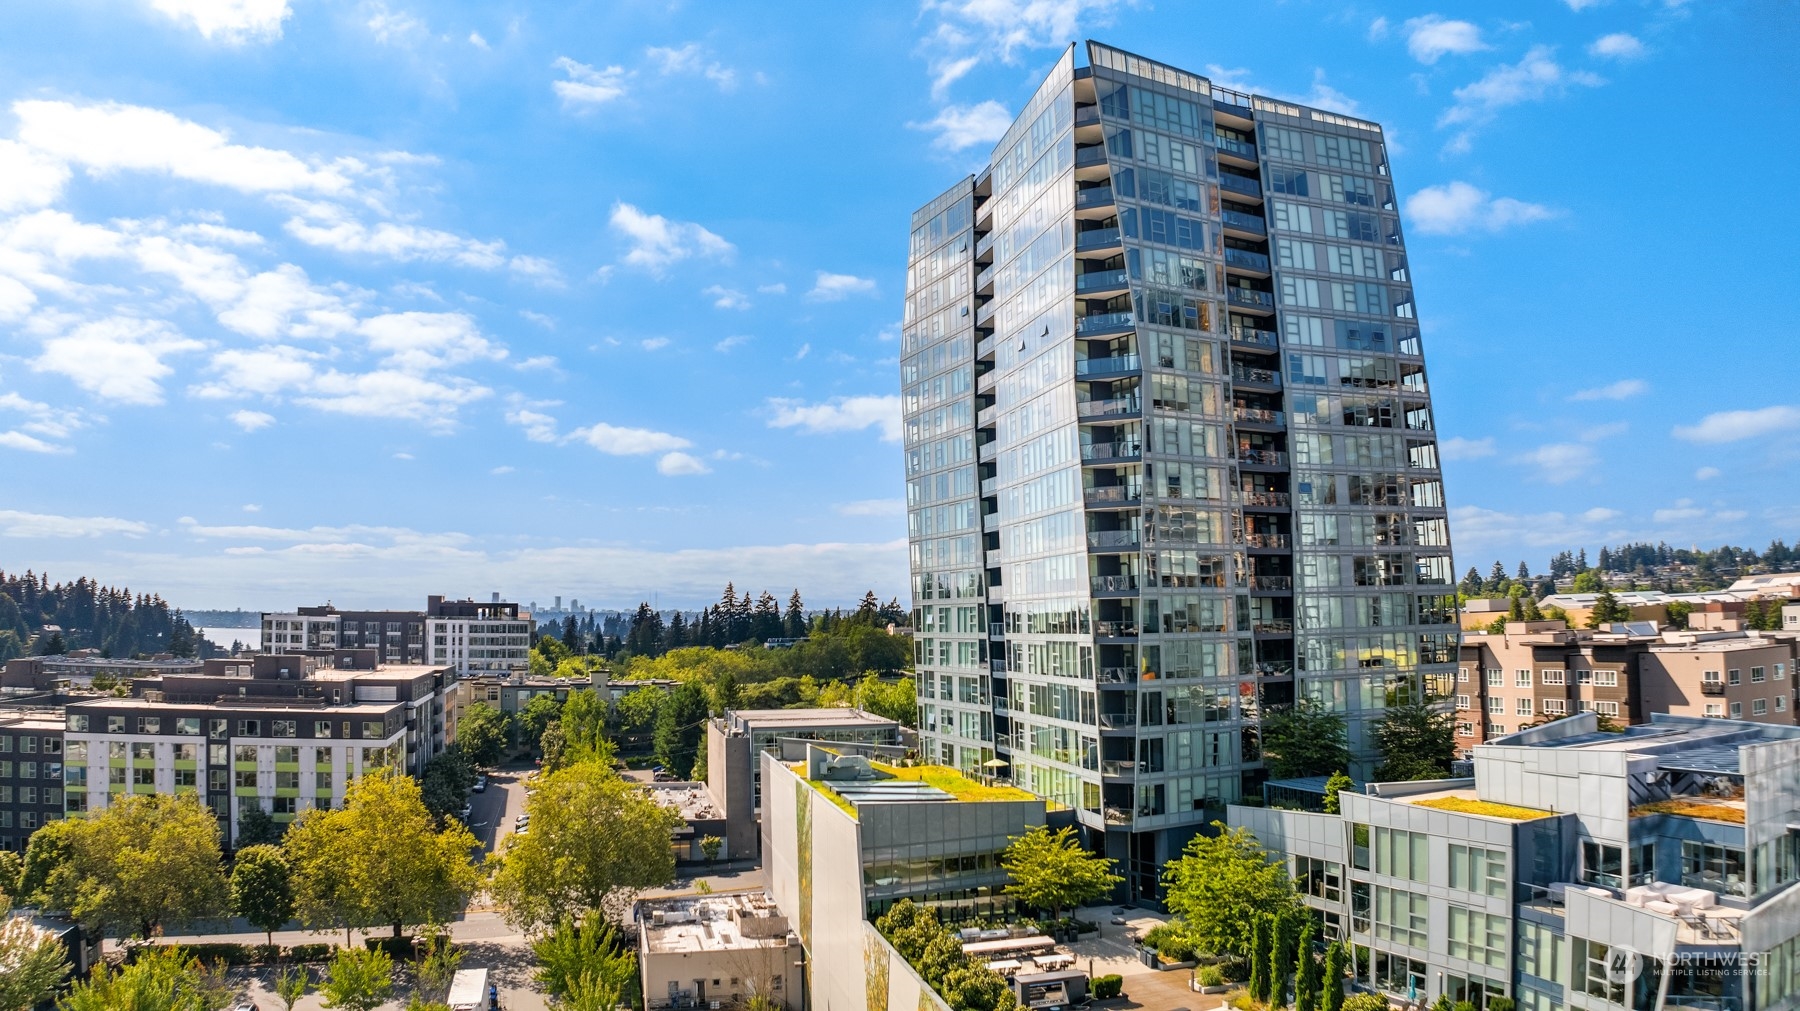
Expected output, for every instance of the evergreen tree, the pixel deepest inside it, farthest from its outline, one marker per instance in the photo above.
(1496, 580)
(1531, 612)
(1515, 607)
(1524, 573)
(646, 635)
(766, 624)
(1259, 958)
(571, 638)
(1471, 583)
(793, 625)
(677, 636)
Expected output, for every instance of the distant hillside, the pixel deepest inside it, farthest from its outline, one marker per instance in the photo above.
(38, 616)
(224, 619)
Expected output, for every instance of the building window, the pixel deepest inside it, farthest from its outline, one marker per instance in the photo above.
(1495, 730)
(1402, 916)
(1595, 974)
(1606, 708)
(1737, 710)
(143, 752)
(115, 724)
(249, 728)
(1757, 675)
(1555, 707)
(1759, 707)
(1781, 668)
(371, 730)
(149, 725)
(1714, 709)
(1477, 936)
(1602, 864)
(321, 728)
(1462, 702)
(1478, 870)
(1465, 730)
(1711, 677)
(1712, 867)
(1780, 703)
(1496, 678)
(1553, 677)
(1734, 677)
(1462, 675)
(188, 726)
(143, 777)
(1496, 706)
(1521, 679)
(245, 779)
(1402, 854)
(76, 722)
(283, 728)
(1319, 878)
(1523, 707)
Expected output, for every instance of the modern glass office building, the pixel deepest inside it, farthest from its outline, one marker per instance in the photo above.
(1169, 449)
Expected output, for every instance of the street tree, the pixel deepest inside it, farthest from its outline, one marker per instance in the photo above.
(1051, 870)
(380, 860)
(709, 847)
(565, 867)
(358, 979)
(291, 984)
(438, 961)
(256, 827)
(1304, 739)
(159, 979)
(1224, 883)
(444, 785)
(261, 890)
(1417, 741)
(32, 964)
(482, 733)
(536, 715)
(581, 949)
(48, 876)
(145, 861)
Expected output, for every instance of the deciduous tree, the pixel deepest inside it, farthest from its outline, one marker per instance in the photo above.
(588, 949)
(261, 890)
(680, 725)
(159, 979)
(564, 866)
(1417, 741)
(482, 733)
(1304, 739)
(144, 861)
(1222, 884)
(32, 964)
(1051, 870)
(359, 979)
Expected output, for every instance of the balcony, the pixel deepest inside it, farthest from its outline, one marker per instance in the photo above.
(1240, 184)
(1272, 584)
(1253, 377)
(1241, 258)
(1249, 297)
(985, 312)
(1114, 584)
(1267, 541)
(1113, 540)
(1274, 668)
(1118, 816)
(1118, 721)
(996, 629)
(986, 417)
(1100, 280)
(1102, 451)
(1089, 155)
(1712, 687)
(993, 558)
(987, 452)
(986, 277)
(1262, 457)
(1114, 494)
(990, 523)
(1117, 675)
(983, 245)
(1087, 115)
(1111, 767)
(1273, 628)
(1115, 407)
(1094, 368)
(1093, 196)
(990, 487)
(1253, 416)
(1266, 499)
(1096, 238)
(1115, 629)
(1100, 323)
(1255, 338)
(1237, 147)
(1239, 221)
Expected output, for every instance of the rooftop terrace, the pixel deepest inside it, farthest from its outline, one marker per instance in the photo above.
(722, 921)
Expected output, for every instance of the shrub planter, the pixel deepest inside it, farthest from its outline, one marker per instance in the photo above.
(1151, 958)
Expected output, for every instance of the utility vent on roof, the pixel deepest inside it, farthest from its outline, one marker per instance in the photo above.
(377, 693)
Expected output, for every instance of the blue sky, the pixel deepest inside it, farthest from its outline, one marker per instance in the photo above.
(368, 300)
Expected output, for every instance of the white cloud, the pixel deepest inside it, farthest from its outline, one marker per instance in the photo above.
(536, 268)
(1482, 532)
(1458, 207)
(1595, 433)
(536, 362)
(28, 178)
(805, 349)
(587, 86)
(692, 59)
(1707, 474)
(118, 359)
(778, 288)
(1617, 46)
(986, 27)
(1431, 37)
(839, 414)
(726, 298)
(1533, 78)
(392, 393)
(333, 226)
(250, 421)
(477, 41)
(393, 26)
(1561, 462)
(14, 523)
(424, 341)
(42, 427)
(1459, 448)
(964, 126)
(112, 137)
(1624, 389)
(1580, 5)
(1683, 510)
(502, 469)
(266, 371)
(680, 464)
(617, 441)
(251, 507)
(657, 242)
(229, 21)
(539, 427)
(1735, 426)
(1378, 29)
(733, 341)
(654, 343)
(873, 507)
(547, 322)
(29, 443)
(1322, 95)
(829, 287)
(1601, 514)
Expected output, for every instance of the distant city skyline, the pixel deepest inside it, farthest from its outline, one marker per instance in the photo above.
(364, 300)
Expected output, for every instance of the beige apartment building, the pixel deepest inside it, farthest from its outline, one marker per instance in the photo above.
(1538, 671)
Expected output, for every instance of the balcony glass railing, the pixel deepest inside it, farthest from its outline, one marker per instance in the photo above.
(1107, 366)
(1092, 154)
(1246, 375)
(1243, 222)
(1096, 238)
(1100, 280)
(1237, 147)
(1111, 493)
(1250, 415)
(1112, 451)
(1273, 627)
(1107, 408)
(1262, 457)
(1112, 538)
(1116, 675)
(1118, 721)
(1266, 540)
(1258, 582)
(1093, 196)
(1115, 629)
(1250, 296)
(982, 279)
(1240, 184)
(1114, 584)
(1236, 258)
(1260, 338)
(1274, 499)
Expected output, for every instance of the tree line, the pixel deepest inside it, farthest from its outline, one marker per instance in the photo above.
(113, 620)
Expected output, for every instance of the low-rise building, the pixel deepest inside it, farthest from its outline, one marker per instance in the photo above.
(717, 950)
(31, 772)
(1650, 868)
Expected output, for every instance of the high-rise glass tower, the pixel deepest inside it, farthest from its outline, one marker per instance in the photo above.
(1170, 456)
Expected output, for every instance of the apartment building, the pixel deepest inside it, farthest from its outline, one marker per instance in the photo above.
(31, 772)
(1169, 448)
(696, 951)
(1538, 671)
(1649, 869)
(396, 636)
(478, 637)
(298, 631)
(283, 732)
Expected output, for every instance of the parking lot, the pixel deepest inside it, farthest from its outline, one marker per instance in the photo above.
(493, 811)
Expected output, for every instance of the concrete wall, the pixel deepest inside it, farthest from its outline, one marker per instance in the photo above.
(812, 853)
(736, 972)
(730, 771)
(890, 984)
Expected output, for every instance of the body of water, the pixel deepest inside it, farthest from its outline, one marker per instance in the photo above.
(222, 637)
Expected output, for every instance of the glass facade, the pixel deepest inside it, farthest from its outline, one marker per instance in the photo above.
(1169, 449)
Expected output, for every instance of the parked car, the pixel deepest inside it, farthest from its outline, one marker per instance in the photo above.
(463, 815)
(480, 783)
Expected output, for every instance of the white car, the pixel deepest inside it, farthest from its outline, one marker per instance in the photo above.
(480, 783)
